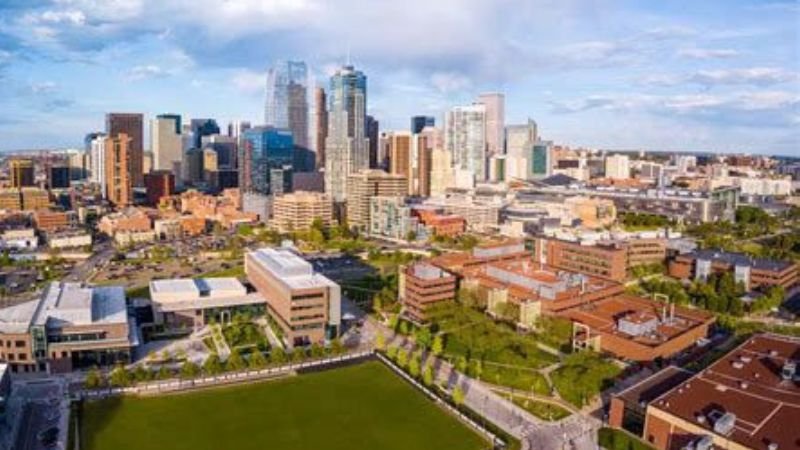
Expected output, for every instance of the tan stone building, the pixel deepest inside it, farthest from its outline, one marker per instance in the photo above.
(119, 182)
(364, 185)
(298, 210)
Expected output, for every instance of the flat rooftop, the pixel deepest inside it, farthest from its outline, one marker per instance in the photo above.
(642, 393)
(740, 259)
(197, 286)
(291, 269)
(602, 317)
(746, 382)
(425, 271)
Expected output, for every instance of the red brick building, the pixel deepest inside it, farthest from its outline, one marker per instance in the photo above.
(159, 184)
(753, 272)
(424, 286)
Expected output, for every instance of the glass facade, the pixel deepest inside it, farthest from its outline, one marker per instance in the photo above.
(288, 101)
(540, 161)
(266, 149)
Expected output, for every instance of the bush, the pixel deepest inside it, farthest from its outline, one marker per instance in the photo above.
(94, 379)
(612, 439)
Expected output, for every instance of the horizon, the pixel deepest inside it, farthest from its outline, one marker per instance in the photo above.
(717, 77)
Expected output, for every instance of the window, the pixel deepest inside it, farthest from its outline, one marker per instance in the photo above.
(19, 344)
(23, 357)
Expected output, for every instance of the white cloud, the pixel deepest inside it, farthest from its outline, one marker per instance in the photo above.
(43, 87)
(248, 81)
(450, 81)
(706, 53)
(752, 75)
(145, 72)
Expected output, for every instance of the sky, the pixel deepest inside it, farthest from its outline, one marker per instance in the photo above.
(712, 75)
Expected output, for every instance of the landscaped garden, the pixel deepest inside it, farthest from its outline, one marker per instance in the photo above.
(346, 408)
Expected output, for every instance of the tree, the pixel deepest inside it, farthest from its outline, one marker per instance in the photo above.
(316, 350)
(277, 355)
(141, 374)
(298, 354)
(257, 360)
(423, 337)
(403, 327)
(414, 366)
(391, 352)
(94, 379)
(438, 345)
(337, 348)
(402, 358)
(120, 377)
(189, 370)
(458, 396)
(377, 303)
(393, 321)
(427, 375)
(380, 341)
(163, 373)
(476, 368)
(212, 365)
(461, 364)
(235, 361)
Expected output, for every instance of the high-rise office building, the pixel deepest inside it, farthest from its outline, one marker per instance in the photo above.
(618, 167)
(237, 128)
(132, 125)
(117, 167)
(495, 104)
(346, 147)
(519, 148)
(320, 125)
(465, 139)
(58, 176)
(202, 127)
(159, 183)
(98, 161)
(288, 101)
(267, 154)
(410, 156)
(225, 147)
(418, 123)
(541, 160)
(442, 173)
(166, 143)
(373, 134)
(22, 174)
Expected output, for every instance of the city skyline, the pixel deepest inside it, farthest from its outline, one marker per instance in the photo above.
(719, 77)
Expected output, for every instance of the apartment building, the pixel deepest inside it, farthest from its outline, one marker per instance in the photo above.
(298, 211)
(305, 304)
(364, 185)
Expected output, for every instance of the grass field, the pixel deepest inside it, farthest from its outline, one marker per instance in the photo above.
(364, 406)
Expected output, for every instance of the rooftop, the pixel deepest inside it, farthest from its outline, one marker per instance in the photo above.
(748, 383)
(740, 259)
(287, 266)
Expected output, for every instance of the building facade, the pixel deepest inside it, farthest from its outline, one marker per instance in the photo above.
(465, 139)
(364, 185)
(298, 211)
(425, 287)
(119, 174)
(132, 126)
(266, 153)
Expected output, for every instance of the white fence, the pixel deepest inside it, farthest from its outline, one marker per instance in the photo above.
(173, 385)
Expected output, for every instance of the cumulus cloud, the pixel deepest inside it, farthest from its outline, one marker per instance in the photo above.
(752, 75)
(145, 72)
(446, 82)
(248, 81)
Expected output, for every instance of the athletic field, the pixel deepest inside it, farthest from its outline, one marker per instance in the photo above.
(360, 407)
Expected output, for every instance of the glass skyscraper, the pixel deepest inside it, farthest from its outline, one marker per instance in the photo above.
(346, 147)
(288, 102)
(267, 154)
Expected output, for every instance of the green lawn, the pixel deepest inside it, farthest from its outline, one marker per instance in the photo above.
(358, 407)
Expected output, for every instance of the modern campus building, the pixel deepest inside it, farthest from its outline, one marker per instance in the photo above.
(305, 304)
(748, 399)
(68, 327)
(424, 286)
(192, 303)
(752, 272)
(609, 258)
(298, 211)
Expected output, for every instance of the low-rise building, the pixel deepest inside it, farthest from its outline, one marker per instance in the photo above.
(68, 327)
(123, 238)
(49, 220)
(19, 239)
(34, 198)
(438, 223)
(68, 239)
(480, 215)
(192, 303)
(423, 287)
(752, 272)
(391, 218)
(129, 220)
(748, 399)
(305, 304)
(298, 211)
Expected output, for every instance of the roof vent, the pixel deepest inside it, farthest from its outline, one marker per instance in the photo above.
(772, 446)
(743, 385)
(701, 418)
(704, 443)
(745, 359)
(737, 365)
(789, 370)
(773, 353)
(721, 388)
(724, 425)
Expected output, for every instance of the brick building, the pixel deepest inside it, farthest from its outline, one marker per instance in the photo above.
(748, 399)
(298, 210)
(752, 272)
(159, 184)
(424, 286)
(128, 220)
(49, 220)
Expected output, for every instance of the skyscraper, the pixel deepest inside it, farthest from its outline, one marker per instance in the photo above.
(166, 143)
(618, 167)
(202, 127)
(320, 125)
(22, 173)
(118, 174)
(132, 125)
(288, 101)
(420, 122)
(267, 154)
(465, 139)
(373, 131)
(541, 160)
(410, 156)
(519, 147)
(98, 161)
(495, 104)
(346, 147)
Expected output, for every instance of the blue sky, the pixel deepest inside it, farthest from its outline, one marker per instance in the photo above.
(670, 75)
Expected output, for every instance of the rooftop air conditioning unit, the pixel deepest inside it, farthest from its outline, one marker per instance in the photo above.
(724, 425)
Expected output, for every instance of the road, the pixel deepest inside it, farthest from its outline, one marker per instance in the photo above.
(101, 255)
